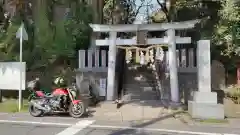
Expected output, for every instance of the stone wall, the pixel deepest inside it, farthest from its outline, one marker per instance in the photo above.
(90, 75)
(187, 84)
(85, 80)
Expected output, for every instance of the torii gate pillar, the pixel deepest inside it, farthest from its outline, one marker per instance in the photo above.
(173, 66)
(111, 66)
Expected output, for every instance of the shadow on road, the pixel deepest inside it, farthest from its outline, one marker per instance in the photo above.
(142, 125)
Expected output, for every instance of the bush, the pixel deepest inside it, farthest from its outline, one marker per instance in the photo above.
(233, 92)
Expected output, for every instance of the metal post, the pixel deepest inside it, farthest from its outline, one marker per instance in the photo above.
(20, 60)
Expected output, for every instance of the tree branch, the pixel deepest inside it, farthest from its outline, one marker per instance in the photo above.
(164, 9)
(138, 9)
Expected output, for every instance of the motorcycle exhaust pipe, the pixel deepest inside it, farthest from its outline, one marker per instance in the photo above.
(40, 107)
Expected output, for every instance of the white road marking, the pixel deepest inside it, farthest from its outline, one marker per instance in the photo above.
(111, 127)
(36, 123)
(77, 127)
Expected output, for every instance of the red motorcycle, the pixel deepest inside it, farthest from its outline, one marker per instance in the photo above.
(60, 100)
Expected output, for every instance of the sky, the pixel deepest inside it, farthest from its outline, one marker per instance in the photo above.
(152, 6)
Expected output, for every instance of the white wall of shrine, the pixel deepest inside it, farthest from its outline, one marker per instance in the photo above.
(96, 61)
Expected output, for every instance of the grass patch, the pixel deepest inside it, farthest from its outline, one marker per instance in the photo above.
(11, 106)
(224, 121)
(187, 118)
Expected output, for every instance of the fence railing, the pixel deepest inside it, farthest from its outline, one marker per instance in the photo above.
(96, 60)
(93, 60)
(186, 60)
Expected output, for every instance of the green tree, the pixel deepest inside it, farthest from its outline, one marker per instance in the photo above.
(121, 11)
(9, 45)
(219, 23)
(50, 42)
(77, 24)
(227, 32)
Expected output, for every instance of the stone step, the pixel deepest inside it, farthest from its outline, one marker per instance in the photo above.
(137, 72)
(130, 97)
(142, 96)
(136, 79)
(140, 78)
(130, 81)
(144, 89)
(139, 93)
(140, 89)
(138, 86)
(140, 83)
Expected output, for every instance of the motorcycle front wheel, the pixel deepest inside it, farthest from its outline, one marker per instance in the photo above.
(35, 112)
(77, 110)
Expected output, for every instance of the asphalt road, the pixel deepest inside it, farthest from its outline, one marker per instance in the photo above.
(27, 129)
(44, 129)
(26, 125)
(24, 129)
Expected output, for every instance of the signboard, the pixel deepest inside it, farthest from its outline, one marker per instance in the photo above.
(103, 86)
(21, 33)
(10, 75)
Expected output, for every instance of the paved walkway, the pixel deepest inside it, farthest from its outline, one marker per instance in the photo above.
(137, 112)
(133, 110)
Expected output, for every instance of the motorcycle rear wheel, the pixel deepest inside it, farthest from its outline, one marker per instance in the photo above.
(35, 112)
(77, 110)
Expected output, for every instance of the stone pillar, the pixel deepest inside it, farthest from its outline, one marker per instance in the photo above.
(173, 66)
(111, 66)
(204, 99)
(204, 67)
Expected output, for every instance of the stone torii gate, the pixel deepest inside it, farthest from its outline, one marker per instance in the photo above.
(170, 40)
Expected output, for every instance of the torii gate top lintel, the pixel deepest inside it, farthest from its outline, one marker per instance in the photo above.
(144, 27)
